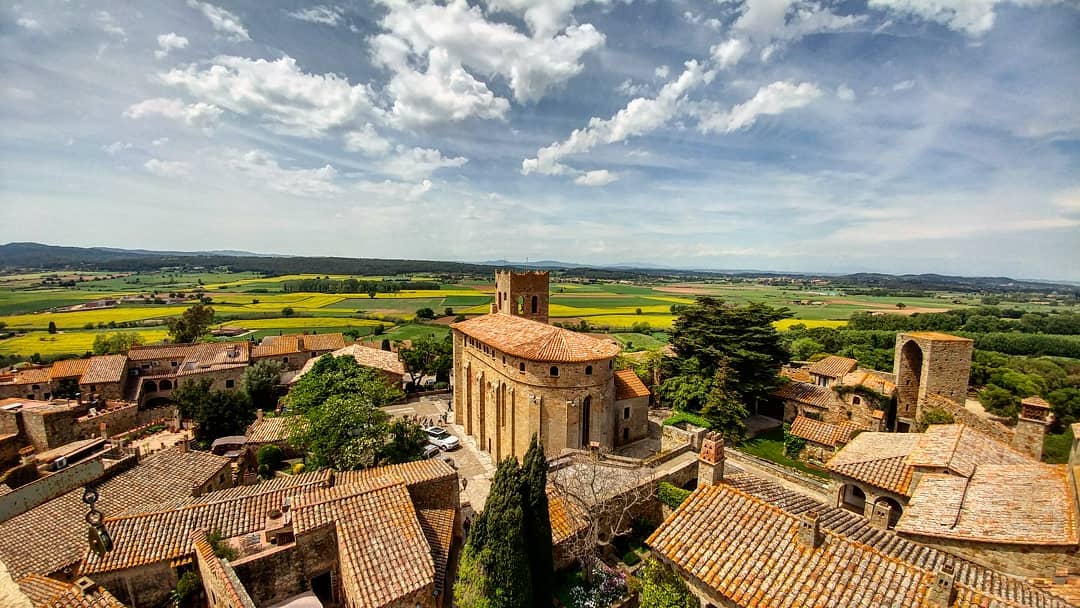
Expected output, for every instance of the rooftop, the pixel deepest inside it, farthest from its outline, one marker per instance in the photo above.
(159, 351)
(878, 459)
(269, 430)
(804, 392)
(375, 358)
(104, 369)
(936, 336)
(959, 448)
(822, 432)
(741, 540)
(629, 386)
(215, 356)
(44, 592)
(833, 366)
(535, 341)
(68, 368)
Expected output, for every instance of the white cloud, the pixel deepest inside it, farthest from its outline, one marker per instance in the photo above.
(169, 42)
(116, 147)
(263, 169)
(161, 141)
(1068, 200)
(200, 115)
(325, 15)
(222, 20)
(662, 71)
(633, 89)
(845, 93)
(729, 52)
(389, 189)
(416, 163)
(903, 85)
(544, 17)
(28, 23)
(775, 98)
(973, 17)
(444, 93)
(167, 168)
(108, 24)
(367, 141)
(640, 116)
(600, 177)
(285, 97)
(531, 65)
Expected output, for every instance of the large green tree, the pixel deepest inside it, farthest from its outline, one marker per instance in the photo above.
(406, 444)
(345, 432)
(534, 469)
(428, 356)
(192, 324)
(116, 343)
(723, 407)
(341, 376)
(712, 332)
(260, 383)
(215, 413)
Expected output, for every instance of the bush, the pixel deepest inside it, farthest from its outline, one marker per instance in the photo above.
(631, 558)
(189, 584)
(687, 417)
(793, 445)
(671, 495)
(270, 456)
(298, 468)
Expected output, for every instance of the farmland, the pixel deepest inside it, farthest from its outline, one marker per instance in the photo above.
(28, 304)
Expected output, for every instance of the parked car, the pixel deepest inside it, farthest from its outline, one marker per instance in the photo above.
(440, 437)
(431, 451)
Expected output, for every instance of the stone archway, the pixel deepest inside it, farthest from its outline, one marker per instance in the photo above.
(895, 510)
(149, 386)
(586, 413)
(165, 385)
(909, 371)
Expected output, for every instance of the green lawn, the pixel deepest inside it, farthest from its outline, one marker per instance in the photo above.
(415, 330)
(770, 446)
(641, 341)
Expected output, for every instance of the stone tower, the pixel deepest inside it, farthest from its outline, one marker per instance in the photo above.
(927, 363)
(1031, 426)
(522, 294)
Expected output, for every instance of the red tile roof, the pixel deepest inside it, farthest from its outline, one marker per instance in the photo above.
(824, 433)
(833, 366)
(382, 360)
(272, 346)
(535, 341)
(959, 448)
(106, 369)
(160, 351)
(804, 392)
(68, 368)
(628, 385)
(269, 430)
(45, 592)
(877, 459)
(438, 525)
(323, 342)
(740, 539)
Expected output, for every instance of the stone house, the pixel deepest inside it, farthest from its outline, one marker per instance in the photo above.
(385, 362)
(741, 541)
(378, 537)
(293, 350)
(98, 377)
(515, 376)
(822, 438)
(957, 489)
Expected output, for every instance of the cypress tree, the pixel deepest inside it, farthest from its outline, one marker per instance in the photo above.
(504, 557)
(537, 522)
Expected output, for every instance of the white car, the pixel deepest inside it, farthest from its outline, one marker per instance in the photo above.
(440, 437)
(431, 451)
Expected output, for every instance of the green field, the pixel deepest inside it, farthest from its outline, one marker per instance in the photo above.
(258, 304)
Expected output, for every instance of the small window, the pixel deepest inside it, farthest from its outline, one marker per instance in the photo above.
(285, 360)
(611, 364)
(588, 370)
(521, 367)
(626, 413)
(174, 363)
(554, 370)
(535, 306)
(856, 400)
(36, 387)
(230, 383)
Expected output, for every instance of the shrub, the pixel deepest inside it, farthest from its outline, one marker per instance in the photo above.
(793, 445)
(631, 558)
(671, 495)
(687, 417)
(298, 468)
(934, 416)
(269, 457)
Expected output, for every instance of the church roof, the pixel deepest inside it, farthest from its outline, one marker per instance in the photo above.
(534, 340)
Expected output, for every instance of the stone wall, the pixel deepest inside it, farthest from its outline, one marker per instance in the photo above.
(515, 291)
(275, 574)
(632, 420)
(109, 391)
(1018, 560)
(223, 588)
(671, 437)
(141, 586)
(926, 365)
(116, 420)
(49, 427)
(9, 451)
(502, 400)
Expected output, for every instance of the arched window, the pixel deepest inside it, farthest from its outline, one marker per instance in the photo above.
(165, 385)
(149, 386)
(554, 370)
(535, 304)
(855, 400)
(588, 370)
(521, 367)
(611, 364)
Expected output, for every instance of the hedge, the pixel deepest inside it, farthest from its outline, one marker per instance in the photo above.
(671, 495)
(691, 418)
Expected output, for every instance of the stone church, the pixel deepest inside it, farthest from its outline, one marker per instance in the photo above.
(515, 375)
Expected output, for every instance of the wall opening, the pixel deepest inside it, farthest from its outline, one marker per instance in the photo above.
(897, 510)
(535, 305)
(149, 386)
(586, 407)
(588, 370)
(909, 379)
(853, 499)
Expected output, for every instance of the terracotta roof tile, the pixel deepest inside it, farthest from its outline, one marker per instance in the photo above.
(40, 589)
(873, 380)
(822, 432)
(33, 375)
(629, 386)
(741, 540)
(566, 518)
(1029, 504)
(959, 449)
(535, 341)
(160, 351)
(438, 525)
(277, 345)
(68, 368)
(878, 459)
(104, 369)
(52, 536)
(323, 342)
(804, 392)
(215, 356)
(798, 374)
(833, 366)
(420, 471)
(269, 430)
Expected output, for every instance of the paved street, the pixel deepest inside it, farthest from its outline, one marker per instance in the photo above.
(474, 466)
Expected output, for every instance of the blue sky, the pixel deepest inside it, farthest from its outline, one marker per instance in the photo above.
(892, 136)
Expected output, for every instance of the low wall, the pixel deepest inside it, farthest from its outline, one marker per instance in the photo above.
(671, 437)
(813, 484)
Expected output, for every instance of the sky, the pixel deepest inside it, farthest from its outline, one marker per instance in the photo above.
(792, 135)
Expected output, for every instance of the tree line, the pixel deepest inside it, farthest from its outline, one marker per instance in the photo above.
(351, 285)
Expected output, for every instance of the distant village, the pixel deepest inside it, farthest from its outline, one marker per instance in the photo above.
(109, 503)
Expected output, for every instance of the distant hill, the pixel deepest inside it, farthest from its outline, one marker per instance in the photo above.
(53, 257)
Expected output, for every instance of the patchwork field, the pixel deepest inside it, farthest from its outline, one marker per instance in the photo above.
(258, 304)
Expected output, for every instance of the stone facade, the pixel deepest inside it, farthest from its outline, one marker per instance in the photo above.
(502, 406)
(929, 363)
(522, 294)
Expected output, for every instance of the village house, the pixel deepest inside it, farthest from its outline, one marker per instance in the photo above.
(740, 541)
(98, 377)
(385, 362)
(834, 390)
(515, 375)
(377, 538)
(822, 439)
(294, 350)
(957, 489)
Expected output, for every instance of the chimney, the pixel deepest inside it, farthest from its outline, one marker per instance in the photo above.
(183, 444)
(810, 534)
(942, 593)
(711, 460)
(104, 430)
(259, 415)
(879, 517)
(85, 585)
(1031, 426)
